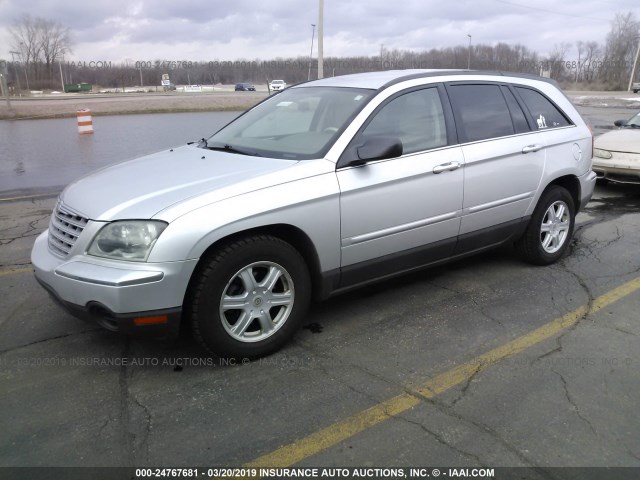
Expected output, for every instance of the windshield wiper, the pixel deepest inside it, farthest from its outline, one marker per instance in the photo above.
(229, 148)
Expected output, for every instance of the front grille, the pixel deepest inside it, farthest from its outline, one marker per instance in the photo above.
(64, 229)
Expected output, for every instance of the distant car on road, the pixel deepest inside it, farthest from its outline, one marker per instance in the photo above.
(277, 85)
(245, 87)
(635, 87)
(616, 156)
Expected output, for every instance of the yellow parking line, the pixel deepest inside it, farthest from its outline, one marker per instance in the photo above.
(15, 271)
(28, 196)
(332, 435)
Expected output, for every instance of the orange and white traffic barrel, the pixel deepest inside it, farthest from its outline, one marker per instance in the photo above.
(85, 124)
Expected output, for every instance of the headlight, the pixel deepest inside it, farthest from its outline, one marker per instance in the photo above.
(598, 152)
(127, 240)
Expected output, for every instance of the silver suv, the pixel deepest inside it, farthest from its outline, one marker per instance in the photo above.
(324, 187)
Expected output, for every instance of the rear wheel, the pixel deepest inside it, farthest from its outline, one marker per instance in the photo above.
(249, 297)
(550, 228)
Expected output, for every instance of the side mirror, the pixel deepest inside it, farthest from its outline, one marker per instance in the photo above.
(620, 123)
(377, 148)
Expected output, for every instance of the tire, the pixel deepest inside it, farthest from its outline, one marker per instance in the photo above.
(231, 289)
(550, 229)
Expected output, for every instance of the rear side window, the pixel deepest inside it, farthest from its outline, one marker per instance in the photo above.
(415, 117)
(545, 113)
(480, 111)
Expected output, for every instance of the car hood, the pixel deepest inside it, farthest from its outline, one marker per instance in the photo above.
(143, 187)
(626, 140)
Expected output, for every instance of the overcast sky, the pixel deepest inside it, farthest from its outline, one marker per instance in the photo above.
(204, 30)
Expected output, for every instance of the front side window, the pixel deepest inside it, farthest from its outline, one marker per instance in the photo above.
(545, 113)
(480, 111)
(416, 118)
(297, 124)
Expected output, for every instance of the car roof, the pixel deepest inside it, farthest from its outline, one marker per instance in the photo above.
(385, 78)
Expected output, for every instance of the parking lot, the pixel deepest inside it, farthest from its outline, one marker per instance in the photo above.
(486, 362)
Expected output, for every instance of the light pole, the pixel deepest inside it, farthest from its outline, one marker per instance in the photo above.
(469, 54)
(313, 32)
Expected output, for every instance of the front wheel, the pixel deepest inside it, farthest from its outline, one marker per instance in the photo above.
(550, 229)
(249, 297)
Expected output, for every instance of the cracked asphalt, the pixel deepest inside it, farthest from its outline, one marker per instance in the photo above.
(76, 395)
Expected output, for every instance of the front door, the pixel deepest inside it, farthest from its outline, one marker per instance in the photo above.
(400, 213)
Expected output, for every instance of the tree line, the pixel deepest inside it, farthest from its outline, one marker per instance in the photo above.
(39, 46)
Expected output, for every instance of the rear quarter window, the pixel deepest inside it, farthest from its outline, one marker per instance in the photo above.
(545, 114)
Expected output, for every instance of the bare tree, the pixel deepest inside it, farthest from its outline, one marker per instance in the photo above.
(55, 41)
(620, 49)
(41, 42)
(592, 56)
(557, 60)
(24, 39)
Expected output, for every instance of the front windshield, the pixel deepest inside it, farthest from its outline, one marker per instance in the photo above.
(297, 124)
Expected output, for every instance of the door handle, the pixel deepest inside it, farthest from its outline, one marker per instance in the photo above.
(531, 148)
(446, 167)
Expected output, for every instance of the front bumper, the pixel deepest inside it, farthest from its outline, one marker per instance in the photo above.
(621, 168)
(121, 296)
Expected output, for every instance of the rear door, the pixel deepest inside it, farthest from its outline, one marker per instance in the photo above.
(504, 161)
(563, 146)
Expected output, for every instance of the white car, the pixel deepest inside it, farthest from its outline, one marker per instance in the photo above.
(616, 156)
(277, 85)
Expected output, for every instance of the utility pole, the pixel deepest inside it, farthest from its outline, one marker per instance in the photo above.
(469, 54)
(311, 53)
(381, 53)
(320, 39)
